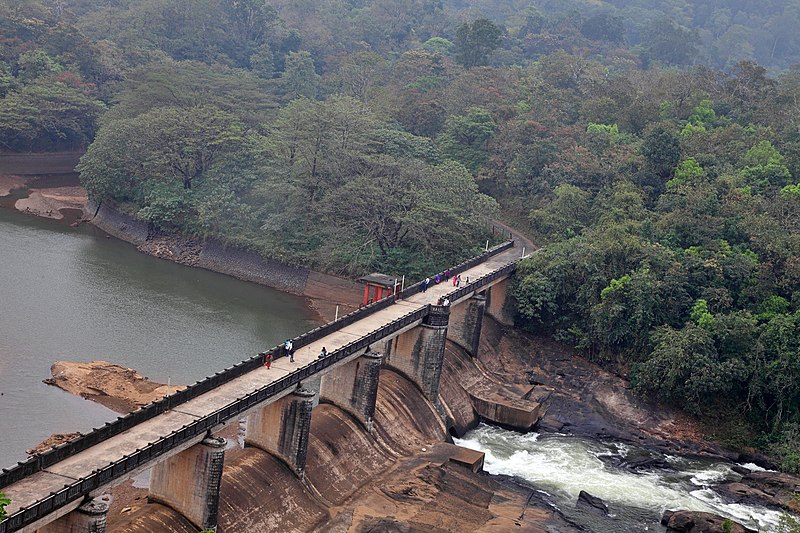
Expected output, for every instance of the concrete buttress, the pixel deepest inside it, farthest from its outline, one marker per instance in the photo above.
(353, 387)
(282, 428)
(497, 303)
(88, 518)
(419, 352)
(466, 320)
(189, 482)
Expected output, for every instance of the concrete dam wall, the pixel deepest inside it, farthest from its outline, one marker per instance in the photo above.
(260, 493)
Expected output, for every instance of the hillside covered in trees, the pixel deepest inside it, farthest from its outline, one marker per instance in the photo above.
(652, 148)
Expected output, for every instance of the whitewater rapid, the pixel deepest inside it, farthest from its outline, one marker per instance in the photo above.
(560, 466)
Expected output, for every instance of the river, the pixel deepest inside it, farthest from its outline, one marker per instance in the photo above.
(74, 294)
(558, 467)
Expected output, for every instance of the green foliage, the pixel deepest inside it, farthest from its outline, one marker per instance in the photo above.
(689, 170)
(299, 77)
(465, 138)
(565, 216)
(785, 446)
(662, 150)
(615, 285)
(788, 524)
(701, 316)
(609, 129)
(704, 114)
(763, 166)
(475, 42)
(438, 45)
(47, 115)
(325, 133)
(773, 306)
(4, 502)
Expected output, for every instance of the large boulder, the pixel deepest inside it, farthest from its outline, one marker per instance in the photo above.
(592, 503)
(772, 489)
(697, 522)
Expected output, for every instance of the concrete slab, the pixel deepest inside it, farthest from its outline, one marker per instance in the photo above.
(33, 488)
(101, 454)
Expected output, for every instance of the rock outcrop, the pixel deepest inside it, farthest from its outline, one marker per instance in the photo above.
(772, 489)
(697, 522)
(118, 388)
(592, 503)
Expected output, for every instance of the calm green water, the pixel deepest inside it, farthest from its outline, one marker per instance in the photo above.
(73, 294)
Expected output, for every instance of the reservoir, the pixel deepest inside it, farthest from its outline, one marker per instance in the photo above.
(74, 294)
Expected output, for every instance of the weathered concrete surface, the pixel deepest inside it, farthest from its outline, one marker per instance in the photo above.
(282, 428)
(353, 387)
(472, 394)
(88, 518)
(466, 320)
(431, 494)
(418, 353)
(342, 456)
(189, 482)
(498, 304)
(404, 422)
(259, 493)
(402, 478)
(151, 518)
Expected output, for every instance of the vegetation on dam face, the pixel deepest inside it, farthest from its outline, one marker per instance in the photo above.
(653, 148)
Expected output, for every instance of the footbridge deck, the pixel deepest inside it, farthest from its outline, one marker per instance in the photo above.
(46, 487)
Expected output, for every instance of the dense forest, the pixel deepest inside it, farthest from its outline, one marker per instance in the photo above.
(652, 148)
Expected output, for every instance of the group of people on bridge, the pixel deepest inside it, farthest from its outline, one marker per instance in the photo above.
(439, 278)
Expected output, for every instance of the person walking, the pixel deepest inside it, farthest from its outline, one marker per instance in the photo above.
(289, 349)
(447, 275)
(425, 283)
(458, 280)
(455, 281)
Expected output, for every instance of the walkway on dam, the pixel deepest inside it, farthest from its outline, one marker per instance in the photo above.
(33, 488)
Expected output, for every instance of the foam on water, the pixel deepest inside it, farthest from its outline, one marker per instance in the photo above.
(564, 465)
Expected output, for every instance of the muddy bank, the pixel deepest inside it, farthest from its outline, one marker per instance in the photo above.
(53, 196)
(9, 183)
(118, 388)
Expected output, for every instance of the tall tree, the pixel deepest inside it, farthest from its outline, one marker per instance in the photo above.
(475, 42)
